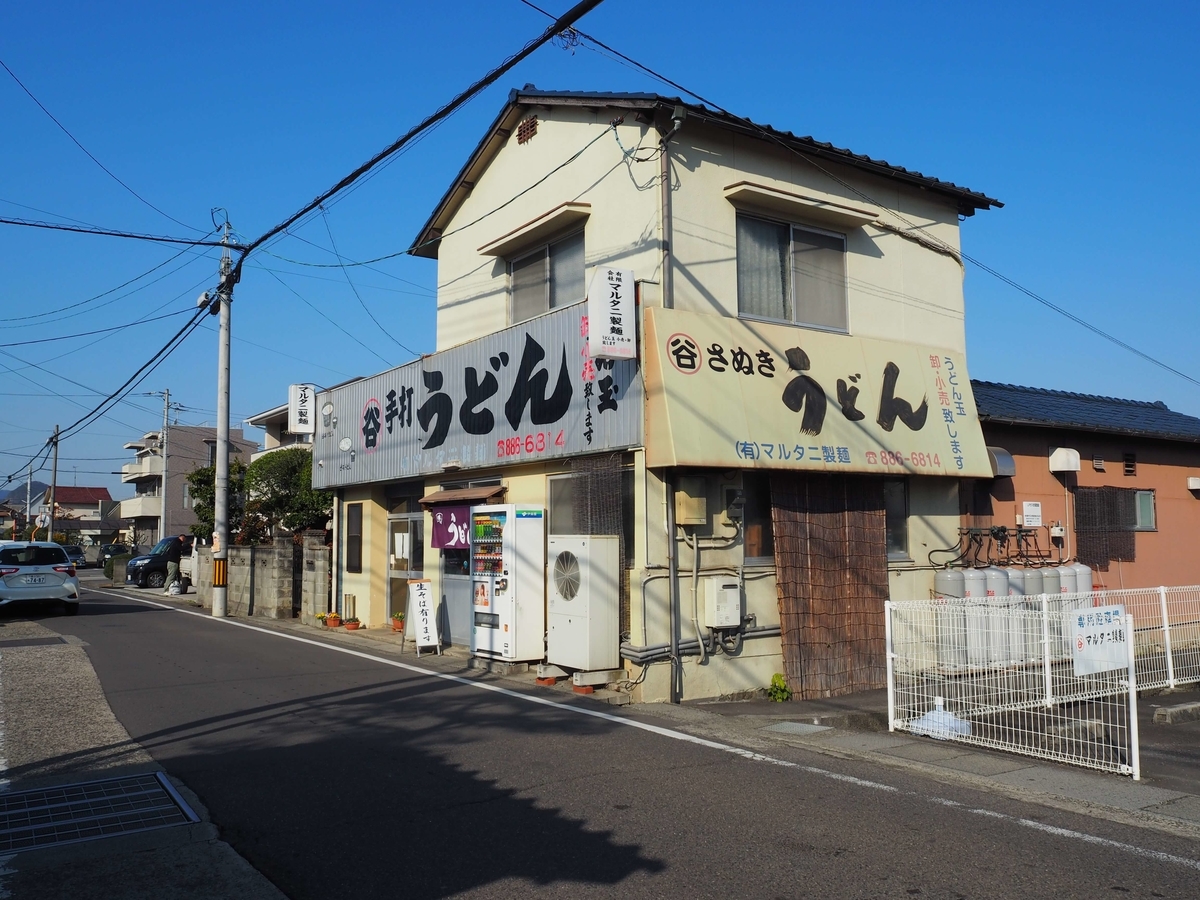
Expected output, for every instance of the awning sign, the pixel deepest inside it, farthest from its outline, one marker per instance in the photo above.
(734, 393)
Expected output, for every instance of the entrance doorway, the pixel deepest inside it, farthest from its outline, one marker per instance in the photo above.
(406, 551)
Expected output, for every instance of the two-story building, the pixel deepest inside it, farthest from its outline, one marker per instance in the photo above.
(785, 442)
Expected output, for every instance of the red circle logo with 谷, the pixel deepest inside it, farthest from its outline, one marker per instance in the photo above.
(684, 353)
(371, 426)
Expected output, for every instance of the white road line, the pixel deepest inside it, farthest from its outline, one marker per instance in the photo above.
(681, 736)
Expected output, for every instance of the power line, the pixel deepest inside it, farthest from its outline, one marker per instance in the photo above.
(515, 197)
(67, 337)
(357, 295)
(314, 308)
(561, 24)
(110, 232)
(1099, 332)
(107, 171)
(112, 290)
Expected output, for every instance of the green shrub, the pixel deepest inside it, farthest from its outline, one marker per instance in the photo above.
(108, 565)
(779, 690)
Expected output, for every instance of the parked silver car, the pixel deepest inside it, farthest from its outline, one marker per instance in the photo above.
(38, 572)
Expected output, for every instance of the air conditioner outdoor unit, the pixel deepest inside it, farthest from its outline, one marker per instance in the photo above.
(583, 590)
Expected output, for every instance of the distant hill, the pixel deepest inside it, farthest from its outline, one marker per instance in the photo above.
(17, 493)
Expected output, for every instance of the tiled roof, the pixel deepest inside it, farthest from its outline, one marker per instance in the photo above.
(658, 106)
(64, 494)
(974, 199)
(1016, 405)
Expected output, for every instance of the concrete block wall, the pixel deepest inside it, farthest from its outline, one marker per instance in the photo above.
(315, 579)
(260, 580)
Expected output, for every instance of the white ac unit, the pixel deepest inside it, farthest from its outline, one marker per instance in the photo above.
(583, 590)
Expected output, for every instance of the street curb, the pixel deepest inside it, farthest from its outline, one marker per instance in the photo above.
(1173, 715)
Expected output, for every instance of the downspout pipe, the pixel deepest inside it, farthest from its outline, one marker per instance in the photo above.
(676, 693)
(664, 162)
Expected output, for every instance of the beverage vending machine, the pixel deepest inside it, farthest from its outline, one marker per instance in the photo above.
(508, 582)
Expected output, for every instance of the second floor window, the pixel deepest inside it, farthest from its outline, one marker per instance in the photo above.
(549, 277)
(791, 273)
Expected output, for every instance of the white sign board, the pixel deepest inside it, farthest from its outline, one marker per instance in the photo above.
(1032, 513)
(301, 398)
(422, 615)
(612, 320)
(42, 521)
(1099, 639)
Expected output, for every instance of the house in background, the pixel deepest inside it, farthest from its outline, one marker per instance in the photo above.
(89, 512)
(189, 447)
(1120, 478)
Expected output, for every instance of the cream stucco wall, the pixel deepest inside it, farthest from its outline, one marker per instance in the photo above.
(369, 586)
(898, 290)
(622, 228)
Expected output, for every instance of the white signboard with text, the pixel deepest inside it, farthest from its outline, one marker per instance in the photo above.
(612, 319)
(1099, 639)
(301, 398)
(1031, 514)
(422, 615)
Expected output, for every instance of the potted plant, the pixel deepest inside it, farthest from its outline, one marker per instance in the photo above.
(331, 620)
(351, 623)
(397, 621)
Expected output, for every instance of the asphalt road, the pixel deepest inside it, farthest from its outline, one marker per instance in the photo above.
(340, 776)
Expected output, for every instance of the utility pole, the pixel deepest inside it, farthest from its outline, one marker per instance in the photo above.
(165, 531)
(53, 485)
(221, 501)
(28, 492)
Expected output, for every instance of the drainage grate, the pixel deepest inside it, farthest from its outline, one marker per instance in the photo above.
(796, 728)
(91, 810)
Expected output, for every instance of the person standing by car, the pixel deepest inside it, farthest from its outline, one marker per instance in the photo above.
(173, 554)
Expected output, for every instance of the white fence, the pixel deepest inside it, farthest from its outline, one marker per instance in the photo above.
(999, 673)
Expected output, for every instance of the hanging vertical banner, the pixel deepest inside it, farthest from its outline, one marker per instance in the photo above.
(300, 408)
(612, 320)
(450, 525)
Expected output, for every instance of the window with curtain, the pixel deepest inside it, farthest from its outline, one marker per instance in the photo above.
(791, 273)
(547, 278)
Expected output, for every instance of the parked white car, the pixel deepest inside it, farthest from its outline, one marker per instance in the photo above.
(37, 572)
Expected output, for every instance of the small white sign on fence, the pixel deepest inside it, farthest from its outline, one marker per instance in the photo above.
(1099, 639)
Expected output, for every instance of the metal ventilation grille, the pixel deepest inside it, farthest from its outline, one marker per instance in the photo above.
(91, 810)
(566, 575)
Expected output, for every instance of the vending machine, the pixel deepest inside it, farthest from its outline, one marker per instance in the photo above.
(508, 582)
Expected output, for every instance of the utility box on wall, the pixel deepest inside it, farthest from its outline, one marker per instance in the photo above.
(691, 501)
(722, 602)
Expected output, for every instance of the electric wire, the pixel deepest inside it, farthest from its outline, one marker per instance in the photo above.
(75, 140)
(124, 284)
(112, 232)
(315, 309)
(575, 156)
(1033, 295)
(67, 337)
(357, 295)
(562, 23)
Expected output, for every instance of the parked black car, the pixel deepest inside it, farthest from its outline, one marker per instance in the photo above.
(75, 555)
(108, 551)
(151, 570)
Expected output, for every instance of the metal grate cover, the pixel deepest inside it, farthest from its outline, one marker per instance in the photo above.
(94, 809)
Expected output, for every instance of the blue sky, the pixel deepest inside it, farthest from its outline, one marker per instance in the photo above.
(1080, 117)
